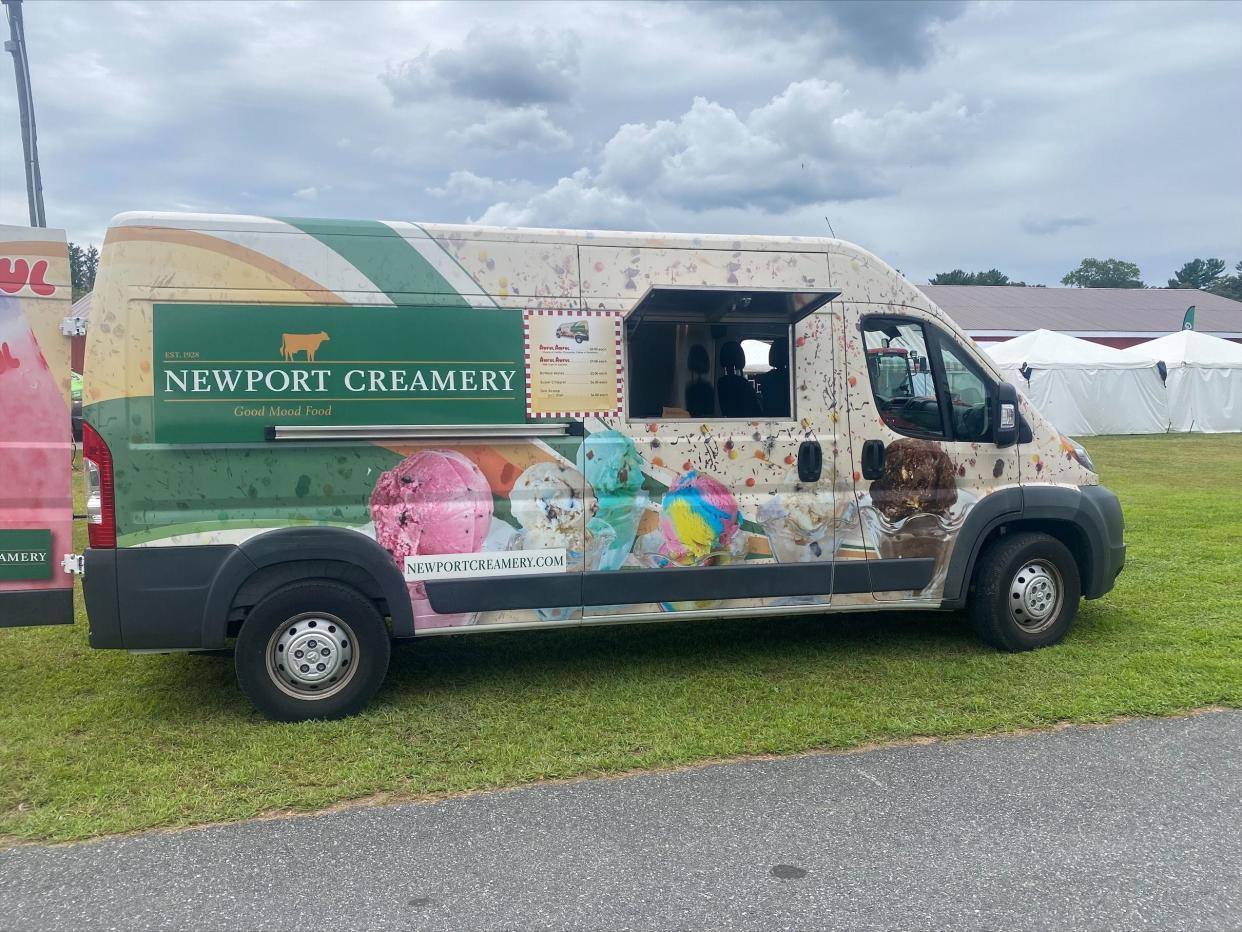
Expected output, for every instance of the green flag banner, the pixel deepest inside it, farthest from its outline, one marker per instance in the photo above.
(1188, 322)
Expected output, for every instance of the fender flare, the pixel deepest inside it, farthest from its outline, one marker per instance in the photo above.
(1095, 512)
(296, 545)
(990, 512)
(1092, 510)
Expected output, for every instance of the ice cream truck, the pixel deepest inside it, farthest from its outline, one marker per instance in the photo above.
(307, 439)
(576, 330)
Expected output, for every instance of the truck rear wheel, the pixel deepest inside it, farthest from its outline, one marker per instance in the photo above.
(1026, 593)
(312, 650)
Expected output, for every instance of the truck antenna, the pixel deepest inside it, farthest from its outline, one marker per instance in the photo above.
(830, 230)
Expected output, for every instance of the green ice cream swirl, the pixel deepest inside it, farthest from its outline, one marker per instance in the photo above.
(611, 465)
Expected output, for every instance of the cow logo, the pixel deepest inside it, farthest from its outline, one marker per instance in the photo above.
(293, 343)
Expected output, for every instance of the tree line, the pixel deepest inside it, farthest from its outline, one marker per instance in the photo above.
(83, 263)
(1204, 274)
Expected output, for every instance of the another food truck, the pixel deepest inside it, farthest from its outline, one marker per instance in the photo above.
(306, 439)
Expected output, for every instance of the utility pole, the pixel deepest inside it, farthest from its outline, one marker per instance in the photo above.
(16, 45)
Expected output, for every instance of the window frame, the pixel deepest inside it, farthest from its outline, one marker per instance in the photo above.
(933, 338)
(763, 419)
(972, 366)
(824, 297)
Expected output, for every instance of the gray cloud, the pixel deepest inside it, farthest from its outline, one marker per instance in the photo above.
(519, 128)
(575, 201)
(467, 187)
(805, 146)
(889, 34)
(500, 66)
(1047, 226)
(933, 145)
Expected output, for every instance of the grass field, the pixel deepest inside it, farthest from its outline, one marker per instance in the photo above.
(101, 742)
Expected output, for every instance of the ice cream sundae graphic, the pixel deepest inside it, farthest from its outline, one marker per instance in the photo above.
(432, 502)
(915, 508)
(800, 520)
(613, 471)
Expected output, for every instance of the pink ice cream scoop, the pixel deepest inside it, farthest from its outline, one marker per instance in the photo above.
(433, 502)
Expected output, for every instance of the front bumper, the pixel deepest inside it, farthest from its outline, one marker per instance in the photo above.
(1106, 531)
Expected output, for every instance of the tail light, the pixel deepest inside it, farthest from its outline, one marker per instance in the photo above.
(100, 498)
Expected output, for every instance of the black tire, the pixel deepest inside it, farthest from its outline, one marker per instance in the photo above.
(1009, 593)
(337, 620)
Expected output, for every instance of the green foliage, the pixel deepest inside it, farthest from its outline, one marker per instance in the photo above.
(83, 263)
(93, 742)
(1198, 273)
(960, 277)
(1229, 286)
(1104, 273)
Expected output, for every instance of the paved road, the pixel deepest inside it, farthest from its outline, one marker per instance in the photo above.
(1138, 825)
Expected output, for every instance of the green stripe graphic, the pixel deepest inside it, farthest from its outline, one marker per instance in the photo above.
(381, 254)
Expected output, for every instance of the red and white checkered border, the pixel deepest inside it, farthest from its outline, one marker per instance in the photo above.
(565, 312)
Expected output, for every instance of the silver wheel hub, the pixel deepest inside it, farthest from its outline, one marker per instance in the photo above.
(1035, 595)
(311, 656)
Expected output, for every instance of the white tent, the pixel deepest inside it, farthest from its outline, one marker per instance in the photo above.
(1204, 379)
(1084, 388)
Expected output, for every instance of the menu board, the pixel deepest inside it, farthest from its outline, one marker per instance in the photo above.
(573, 363)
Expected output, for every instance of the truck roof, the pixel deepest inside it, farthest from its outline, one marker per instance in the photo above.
(864, 275)
(252, 223)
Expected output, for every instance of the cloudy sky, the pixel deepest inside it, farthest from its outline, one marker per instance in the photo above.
(975, 134)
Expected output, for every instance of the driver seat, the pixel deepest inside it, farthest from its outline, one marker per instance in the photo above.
(737, 396)
(700, 399)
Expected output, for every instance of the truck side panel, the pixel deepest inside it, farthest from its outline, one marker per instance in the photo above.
(321, 306)
(36, 446)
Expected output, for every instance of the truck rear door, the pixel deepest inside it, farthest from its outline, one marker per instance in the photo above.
(36, 443)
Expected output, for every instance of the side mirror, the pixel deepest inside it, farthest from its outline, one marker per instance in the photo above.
(1005, 415)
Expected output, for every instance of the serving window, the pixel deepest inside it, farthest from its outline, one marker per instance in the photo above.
(714, 353)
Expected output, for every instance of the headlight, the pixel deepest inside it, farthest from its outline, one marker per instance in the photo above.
(1081, 455)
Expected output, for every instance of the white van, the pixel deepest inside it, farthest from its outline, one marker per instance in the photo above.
(307, 438)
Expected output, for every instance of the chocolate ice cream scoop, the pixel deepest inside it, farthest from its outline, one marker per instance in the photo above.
(918, 479)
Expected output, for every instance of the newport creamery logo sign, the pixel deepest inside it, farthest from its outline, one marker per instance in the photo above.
(334, 365)
(25, 554)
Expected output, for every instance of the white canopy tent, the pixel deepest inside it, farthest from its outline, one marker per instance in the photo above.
(1082, 387)
(1204, 379)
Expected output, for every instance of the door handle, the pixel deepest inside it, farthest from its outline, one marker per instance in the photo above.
(810, 461)
(873, 459)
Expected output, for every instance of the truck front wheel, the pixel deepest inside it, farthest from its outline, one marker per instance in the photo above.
(1026, 592)
(312, 650)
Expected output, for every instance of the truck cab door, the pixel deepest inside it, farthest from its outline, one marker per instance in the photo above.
(36, 443)
(920, 413)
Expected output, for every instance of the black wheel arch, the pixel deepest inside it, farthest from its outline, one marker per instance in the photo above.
(275, 558)
(1086, 519)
